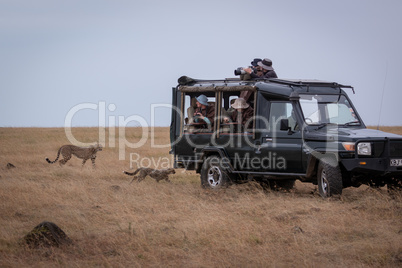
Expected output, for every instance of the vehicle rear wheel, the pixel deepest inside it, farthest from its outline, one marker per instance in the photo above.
(329, 179)
(213, 174)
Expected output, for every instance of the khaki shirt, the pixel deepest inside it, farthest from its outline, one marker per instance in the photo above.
(246, 115)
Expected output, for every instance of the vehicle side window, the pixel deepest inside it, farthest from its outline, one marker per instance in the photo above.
(236, 120)
(279, 111)
(194, 123)
(188, 104)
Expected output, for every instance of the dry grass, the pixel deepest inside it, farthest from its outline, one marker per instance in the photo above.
(396, 130)
(178, 224)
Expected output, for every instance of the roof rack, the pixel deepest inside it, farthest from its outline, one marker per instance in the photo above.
(309, 82)
(188, 81)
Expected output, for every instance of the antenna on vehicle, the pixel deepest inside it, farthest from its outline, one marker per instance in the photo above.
(382, 97)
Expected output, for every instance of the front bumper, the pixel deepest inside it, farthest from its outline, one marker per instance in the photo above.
(380, 162)
(379, 166)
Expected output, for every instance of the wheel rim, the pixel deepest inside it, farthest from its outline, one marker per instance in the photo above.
(324, 183)
(214, 176)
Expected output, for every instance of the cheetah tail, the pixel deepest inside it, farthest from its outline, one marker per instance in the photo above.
(58, 155)
(132, 173)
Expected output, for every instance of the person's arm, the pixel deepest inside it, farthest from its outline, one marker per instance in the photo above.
(207, 119)
(251, 72)
(270, 74)
(254, 75)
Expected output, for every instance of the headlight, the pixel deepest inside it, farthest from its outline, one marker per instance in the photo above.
(364, 148)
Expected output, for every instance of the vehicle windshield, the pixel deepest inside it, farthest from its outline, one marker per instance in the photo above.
(328, 109)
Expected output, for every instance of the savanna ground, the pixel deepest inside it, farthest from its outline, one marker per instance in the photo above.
(116, 224)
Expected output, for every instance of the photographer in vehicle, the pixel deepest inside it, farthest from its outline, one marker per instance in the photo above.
(204, 113)
(263, 70)
(243, 74)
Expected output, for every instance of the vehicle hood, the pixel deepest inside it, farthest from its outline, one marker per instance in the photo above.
(347, 134)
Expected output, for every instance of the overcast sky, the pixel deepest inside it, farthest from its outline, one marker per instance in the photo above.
(95, 61)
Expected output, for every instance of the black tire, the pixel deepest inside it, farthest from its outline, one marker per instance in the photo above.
(329, 179)
(213, 174)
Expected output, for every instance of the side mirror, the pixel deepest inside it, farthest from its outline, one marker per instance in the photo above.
(284, 124)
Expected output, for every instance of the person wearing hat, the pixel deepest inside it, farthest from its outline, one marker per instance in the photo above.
(253, 67)
(204, 112)
(242, 113)
(255, 62)
(264, 70)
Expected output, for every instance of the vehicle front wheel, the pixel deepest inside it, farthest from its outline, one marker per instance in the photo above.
(213, 174)
(329, 179)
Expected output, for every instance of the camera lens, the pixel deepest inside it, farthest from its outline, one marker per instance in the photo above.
(239, 71)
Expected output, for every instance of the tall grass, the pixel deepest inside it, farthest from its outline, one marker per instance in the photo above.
(178, 224)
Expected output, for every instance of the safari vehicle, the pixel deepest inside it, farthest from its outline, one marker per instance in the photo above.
(305, 130)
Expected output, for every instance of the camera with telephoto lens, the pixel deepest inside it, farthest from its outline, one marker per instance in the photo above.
(240, 70)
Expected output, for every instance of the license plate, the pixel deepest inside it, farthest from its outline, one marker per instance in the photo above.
(396, 162)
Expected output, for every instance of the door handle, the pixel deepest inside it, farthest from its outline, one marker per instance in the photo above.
(258, 150)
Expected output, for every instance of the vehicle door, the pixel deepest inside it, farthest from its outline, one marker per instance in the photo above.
(280, 149)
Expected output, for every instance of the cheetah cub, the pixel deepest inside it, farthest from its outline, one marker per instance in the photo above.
(157, 174)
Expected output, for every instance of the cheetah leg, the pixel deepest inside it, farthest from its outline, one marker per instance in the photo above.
(166, 178)
(64, 160)
(133, 179)
(140, 178)
(93, 161)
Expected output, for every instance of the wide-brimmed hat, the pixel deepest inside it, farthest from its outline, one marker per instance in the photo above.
(266, 64)
(255, 62)
(202, 99)
(240, 103)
